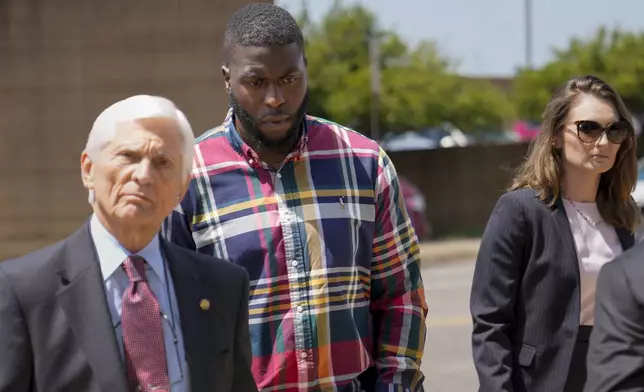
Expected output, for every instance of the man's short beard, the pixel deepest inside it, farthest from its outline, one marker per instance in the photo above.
(254, 136)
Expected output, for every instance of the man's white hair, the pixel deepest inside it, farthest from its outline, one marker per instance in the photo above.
(136, 108)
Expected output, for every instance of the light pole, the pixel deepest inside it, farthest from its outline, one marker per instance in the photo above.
(528, 33)
(374, 65)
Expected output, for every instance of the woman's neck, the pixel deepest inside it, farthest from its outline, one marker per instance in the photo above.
(580, 187)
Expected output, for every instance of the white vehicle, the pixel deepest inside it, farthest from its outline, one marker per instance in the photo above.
(638, 196)
(638, 193)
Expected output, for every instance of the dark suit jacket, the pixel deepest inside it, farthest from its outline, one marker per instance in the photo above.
(525, 299)
(616, 352)
(56, 333)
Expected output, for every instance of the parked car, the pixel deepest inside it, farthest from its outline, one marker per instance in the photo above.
(638, 196)
(416, 205)
(442, 136)
(526, 130)
(638, 193)
(407, 141)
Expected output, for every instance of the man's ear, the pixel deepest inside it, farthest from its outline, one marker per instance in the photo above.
(87, 170)
(226, 72)
(183, 191)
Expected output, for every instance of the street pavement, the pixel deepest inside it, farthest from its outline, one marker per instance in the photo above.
(447, 362)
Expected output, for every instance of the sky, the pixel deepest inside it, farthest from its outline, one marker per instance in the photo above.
(487, 37)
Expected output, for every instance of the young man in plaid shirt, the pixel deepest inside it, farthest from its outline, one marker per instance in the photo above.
(314, 212)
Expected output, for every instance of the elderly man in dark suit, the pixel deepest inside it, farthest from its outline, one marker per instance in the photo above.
(616, 351)
(114, 307)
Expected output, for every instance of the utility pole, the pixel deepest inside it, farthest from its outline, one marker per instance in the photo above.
(374, 65)
(528, 34)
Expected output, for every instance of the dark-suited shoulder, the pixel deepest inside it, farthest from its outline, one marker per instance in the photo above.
(39, 274)
(34, 262)
(526, 197)
(520, 194)
(33, 276)
(616, 351)
(630, 261)
(60, 319)
(537, 215)
(526, 201)
(515, 213)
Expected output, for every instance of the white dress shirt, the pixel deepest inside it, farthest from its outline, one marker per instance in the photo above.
(111, 255)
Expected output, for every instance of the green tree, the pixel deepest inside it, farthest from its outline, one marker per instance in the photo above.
(419, 87)
(615, 56)
(427, 92)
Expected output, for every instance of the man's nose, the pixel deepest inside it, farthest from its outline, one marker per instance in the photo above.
(143, 172)
(274, 96)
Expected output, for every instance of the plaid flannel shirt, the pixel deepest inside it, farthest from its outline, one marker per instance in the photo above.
(336, 295)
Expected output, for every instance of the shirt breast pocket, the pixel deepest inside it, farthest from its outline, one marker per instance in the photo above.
(347, 232)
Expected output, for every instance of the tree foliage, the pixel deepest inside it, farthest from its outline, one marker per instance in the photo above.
(615, 56)
(419, 86)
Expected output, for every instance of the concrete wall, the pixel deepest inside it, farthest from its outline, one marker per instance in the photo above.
(61, 63)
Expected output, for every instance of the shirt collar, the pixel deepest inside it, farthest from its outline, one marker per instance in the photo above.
(247, 152)
(111, 254)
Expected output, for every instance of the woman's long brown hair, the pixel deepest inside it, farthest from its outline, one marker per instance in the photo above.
(542, 169)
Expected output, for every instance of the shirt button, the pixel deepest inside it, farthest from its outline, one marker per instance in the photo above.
(303, 355)
(300, 308)
(250, 161)
(279, 175)
(294, 263)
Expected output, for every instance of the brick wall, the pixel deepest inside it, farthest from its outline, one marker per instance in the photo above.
(61, 63)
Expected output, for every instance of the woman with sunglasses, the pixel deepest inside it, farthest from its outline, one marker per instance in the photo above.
(567, 212)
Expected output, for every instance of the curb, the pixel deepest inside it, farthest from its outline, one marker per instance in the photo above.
(449, 251)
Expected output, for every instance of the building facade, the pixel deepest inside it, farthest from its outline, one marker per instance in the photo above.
(61, 63)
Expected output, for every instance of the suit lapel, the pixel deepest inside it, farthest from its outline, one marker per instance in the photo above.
(200, 324)
(563, 225)
(205, 326)
(84, 302)
(626, 238)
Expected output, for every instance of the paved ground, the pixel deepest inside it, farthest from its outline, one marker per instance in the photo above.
(449, 250)
(448, 360)
(447, 273)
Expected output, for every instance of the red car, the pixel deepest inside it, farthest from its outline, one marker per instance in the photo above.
(415, 202)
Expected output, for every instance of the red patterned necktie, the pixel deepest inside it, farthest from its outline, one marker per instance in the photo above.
(145, 359)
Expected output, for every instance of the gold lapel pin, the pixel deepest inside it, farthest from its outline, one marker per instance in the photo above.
(204, 304)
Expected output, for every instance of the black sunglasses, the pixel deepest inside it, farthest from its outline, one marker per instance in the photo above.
(590, 131)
